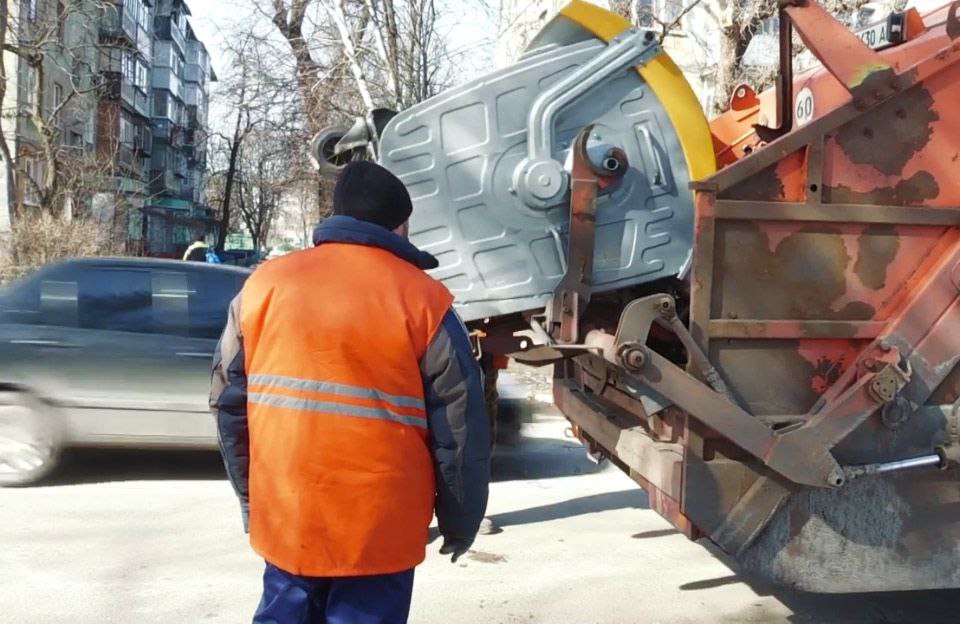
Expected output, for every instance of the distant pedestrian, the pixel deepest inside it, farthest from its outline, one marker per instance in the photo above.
(350, 408)
(197, 252)
(212, 257)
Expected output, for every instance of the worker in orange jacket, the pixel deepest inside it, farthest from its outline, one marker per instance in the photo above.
(350, 408)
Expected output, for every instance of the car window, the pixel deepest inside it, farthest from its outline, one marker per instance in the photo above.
(210, 294)
(20, 301)
(47, 296)
(190, 302)
(171, 302)
(114, 298)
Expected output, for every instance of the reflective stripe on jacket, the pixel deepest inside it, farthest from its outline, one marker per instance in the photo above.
(357, 388)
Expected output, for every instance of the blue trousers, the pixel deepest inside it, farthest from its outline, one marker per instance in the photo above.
(292, 599)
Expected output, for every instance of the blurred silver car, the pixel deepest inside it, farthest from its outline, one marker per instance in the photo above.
(108, 352)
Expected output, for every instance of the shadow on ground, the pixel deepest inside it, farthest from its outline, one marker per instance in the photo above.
(541, 458)
(80, 466)
(521, 455)
(583, 505)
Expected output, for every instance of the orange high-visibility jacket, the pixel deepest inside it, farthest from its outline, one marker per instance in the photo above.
(341, 471)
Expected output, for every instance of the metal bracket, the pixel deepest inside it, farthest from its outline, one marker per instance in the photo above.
(573, 292)
(476, 343)
(542, 350)
(888, 382)
(634, 328)
(545, 355)
(538, 179)
(784, 84)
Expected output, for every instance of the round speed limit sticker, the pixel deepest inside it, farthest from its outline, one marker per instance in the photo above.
(803, 106)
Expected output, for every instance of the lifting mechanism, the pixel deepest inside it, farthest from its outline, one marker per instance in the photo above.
(769, 349)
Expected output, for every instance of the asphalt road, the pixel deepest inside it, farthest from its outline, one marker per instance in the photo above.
(138, 537)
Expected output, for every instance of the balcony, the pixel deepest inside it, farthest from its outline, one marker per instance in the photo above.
(143, 142)
(135, 98)
(192, 94)
(193, 73)
(168, 113)
(196, 117)
(163, 182)
(144, 42)
(164, 78)
(112, 85)
(130, 159)
(203, 212)
(162, 130)
(123, 184)
(115, 24)
(167, 30)
(197, 159)
(197, 55)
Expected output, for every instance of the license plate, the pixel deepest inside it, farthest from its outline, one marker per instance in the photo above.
(884, 34)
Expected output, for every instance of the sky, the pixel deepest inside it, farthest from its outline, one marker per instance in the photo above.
(210, 20)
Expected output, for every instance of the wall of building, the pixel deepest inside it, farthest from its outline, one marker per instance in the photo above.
(8, 126)
(135, 124)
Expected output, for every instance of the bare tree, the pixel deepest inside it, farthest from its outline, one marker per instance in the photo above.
(719, 34)
(5, 23)
(290, 19)
(395, 50)
(264, 179)
(260, 93)
(55, 44)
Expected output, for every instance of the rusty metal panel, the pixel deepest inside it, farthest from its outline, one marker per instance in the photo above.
(826, 265)
(795, 372)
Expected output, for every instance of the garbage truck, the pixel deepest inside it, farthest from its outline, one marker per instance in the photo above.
(755, 317)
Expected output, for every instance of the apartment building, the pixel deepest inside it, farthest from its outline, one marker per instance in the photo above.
(55, 94)
(8, 128)
(181, 75)
(124, 133)
(131, 81)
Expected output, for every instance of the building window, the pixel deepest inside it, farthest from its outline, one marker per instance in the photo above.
(129, 68)
(61, 23)
(160, 104)
(34, 178)
(162, 55)
(140, 79)
(30, 87)
(57, 103)
(127, 132)
(32, 10)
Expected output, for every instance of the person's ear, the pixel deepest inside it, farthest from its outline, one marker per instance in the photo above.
(403, 229)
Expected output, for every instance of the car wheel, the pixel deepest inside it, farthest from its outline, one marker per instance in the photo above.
(30, 440)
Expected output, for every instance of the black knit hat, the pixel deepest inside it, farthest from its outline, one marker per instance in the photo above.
(368, 192)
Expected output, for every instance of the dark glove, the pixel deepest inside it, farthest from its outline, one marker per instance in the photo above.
(245, 515)
(455, 546)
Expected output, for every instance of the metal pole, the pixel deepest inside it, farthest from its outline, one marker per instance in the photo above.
(924, 461)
